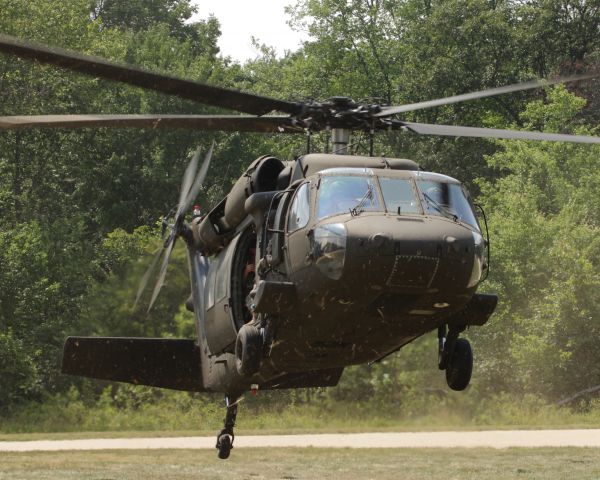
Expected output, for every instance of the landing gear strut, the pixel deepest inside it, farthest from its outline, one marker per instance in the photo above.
(225, 437)
(455, 356)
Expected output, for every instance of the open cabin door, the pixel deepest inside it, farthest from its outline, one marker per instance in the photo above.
(229, 280)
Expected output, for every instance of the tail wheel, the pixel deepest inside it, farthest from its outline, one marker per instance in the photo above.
(248, 350)
(460, 365)
(224, 446)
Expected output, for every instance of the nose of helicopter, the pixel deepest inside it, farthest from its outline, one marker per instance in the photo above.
(409, 254)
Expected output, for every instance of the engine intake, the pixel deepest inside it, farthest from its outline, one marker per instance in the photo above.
(261, 176)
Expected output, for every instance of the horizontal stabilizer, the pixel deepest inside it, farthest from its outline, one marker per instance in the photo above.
(156, 362)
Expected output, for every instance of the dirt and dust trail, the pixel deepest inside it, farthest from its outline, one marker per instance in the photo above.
(470, 439)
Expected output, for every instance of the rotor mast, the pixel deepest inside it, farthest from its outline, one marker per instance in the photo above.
(340, 137)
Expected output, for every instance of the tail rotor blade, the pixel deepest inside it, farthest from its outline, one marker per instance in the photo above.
(188, 178)
(146, 277)
(195, 189)
(190, 187)
(163, 272)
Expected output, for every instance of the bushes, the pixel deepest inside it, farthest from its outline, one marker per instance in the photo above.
(543, 215)
(18, 375)
(193, 413)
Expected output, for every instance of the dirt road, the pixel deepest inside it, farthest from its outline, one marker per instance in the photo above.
(491, 439)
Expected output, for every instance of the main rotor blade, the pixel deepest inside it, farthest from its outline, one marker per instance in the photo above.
(456, 131)
(387, 111)
(223, 123)
(163, 272)
(188, 89)
(195, 189)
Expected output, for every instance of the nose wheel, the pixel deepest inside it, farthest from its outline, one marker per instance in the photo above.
(456, 357)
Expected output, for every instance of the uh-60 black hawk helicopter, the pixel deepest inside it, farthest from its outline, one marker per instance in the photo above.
(308, 266)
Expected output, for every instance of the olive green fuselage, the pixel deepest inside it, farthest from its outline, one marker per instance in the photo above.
(401, 278)
(341, 287)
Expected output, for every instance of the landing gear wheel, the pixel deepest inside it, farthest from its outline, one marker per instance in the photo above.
(460, 365)
(248, 350)
(224, 445)
(225, 437)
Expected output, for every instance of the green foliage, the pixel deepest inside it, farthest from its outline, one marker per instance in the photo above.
(17, 370)
(109, 308)
(544, 220)
(567, 29)
(41, 289)
(68, 198)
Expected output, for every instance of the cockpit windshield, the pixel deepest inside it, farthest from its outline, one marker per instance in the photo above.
(347, 193)
(399, 195)
(447, 200)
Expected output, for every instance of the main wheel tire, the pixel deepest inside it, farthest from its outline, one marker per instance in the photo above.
(248, 350)
(460, 365)
(224, 447)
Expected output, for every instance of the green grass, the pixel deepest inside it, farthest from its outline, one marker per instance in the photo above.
(157, 420)
(180, 414)
(309, 463)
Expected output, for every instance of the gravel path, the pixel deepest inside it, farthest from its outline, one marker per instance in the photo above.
(490, 439)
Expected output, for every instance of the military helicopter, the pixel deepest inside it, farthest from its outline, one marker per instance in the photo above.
(306, 266)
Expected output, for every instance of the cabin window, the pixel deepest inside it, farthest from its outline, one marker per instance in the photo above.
(222, 277)
(300, 209)
(399, 195)
(210, 283)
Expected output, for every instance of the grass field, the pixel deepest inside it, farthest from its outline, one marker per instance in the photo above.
(181, 414)
(75, 420)
(309, 463)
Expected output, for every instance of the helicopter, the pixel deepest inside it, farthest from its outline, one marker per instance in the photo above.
(306, 266)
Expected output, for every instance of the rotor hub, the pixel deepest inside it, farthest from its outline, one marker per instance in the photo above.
(343, 113)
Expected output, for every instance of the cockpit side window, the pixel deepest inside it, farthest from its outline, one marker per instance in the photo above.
(447, 199)
(300, 209)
